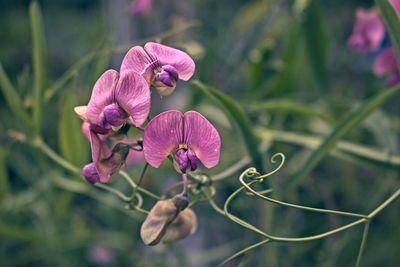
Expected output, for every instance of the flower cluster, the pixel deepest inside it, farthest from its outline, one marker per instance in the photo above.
(120, 101)
(368, 35)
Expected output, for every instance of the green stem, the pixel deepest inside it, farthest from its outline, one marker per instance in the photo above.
(140, 180)
(313, 142)
(384, 204)
(138, 188)
(237, 254)
(363, 241)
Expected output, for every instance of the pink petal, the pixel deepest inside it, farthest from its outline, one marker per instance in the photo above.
(102, 95)
(181, 61)
(396, 6)
(133, 95)
(386, 62)
(201, 136)
(138, 60)
(162, 136)
(140, 7)
(368, 31)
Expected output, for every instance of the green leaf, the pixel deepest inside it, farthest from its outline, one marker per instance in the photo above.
(345, 126)
(73, 146)
(392, 23)
(39, 70)
(12, 98)
(236, 115)
(4, 187)
(290, 106)
(314, 28)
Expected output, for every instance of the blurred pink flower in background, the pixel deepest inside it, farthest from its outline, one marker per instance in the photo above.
(368, 31)
(140, 7)
(386, 64)
(396, 6)
(101, 255)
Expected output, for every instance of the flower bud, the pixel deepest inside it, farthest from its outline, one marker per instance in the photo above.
(183, 225)
(165, 80)
(90, 173)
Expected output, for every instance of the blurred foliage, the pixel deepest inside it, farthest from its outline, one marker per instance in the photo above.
(285, 66)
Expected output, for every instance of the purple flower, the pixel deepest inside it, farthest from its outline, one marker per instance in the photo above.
(189, 137)
(115, 99)
(101, 255)
(368, 31)
(160, 65)
(386, 64)
(140, 7)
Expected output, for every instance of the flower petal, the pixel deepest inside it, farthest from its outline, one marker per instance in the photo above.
(133, 95)
(201, 136)
(396, 6)
(102, 95)
(165, 55)
(386, 62)
(183, 225)
(162, 136)
(138, 60)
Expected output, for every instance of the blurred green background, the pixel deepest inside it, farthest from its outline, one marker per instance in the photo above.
(285, 62)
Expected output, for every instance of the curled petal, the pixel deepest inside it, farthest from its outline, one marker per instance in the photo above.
(201, 136)
(133, 95)
(102, 95)
(90, 173)
(138, 60)
(162, 136)
(165, 55)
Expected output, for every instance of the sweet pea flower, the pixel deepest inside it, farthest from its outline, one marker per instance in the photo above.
(368, 31)
(386, 64)
(189, 137)
(160, 65)
(115, 100)
(140, 7)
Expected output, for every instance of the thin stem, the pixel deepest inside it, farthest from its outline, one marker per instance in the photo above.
(237, 254)
(231, 170)
(114, 191)
(140, 180)
(138, 188)
(363, 241)
(384, 204)
(313, 142)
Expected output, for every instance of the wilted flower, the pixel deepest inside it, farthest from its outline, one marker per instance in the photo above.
(115, 99)
(386, 64)
(189, 137)
(160, 65)
(140, 7)
(368, 31)
(169, 220)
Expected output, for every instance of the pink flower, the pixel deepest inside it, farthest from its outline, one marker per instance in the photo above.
(386, 64)
(115, 100)
(140, 7)
(368, 31)
(189, 137)
(160, 65)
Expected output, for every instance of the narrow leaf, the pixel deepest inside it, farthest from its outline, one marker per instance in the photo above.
(345, 126)
(73, 146)
(12, 98)
(39, 71)
(235, 113)
(4, 187)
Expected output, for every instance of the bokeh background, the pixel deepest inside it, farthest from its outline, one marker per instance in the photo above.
(285, 62)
